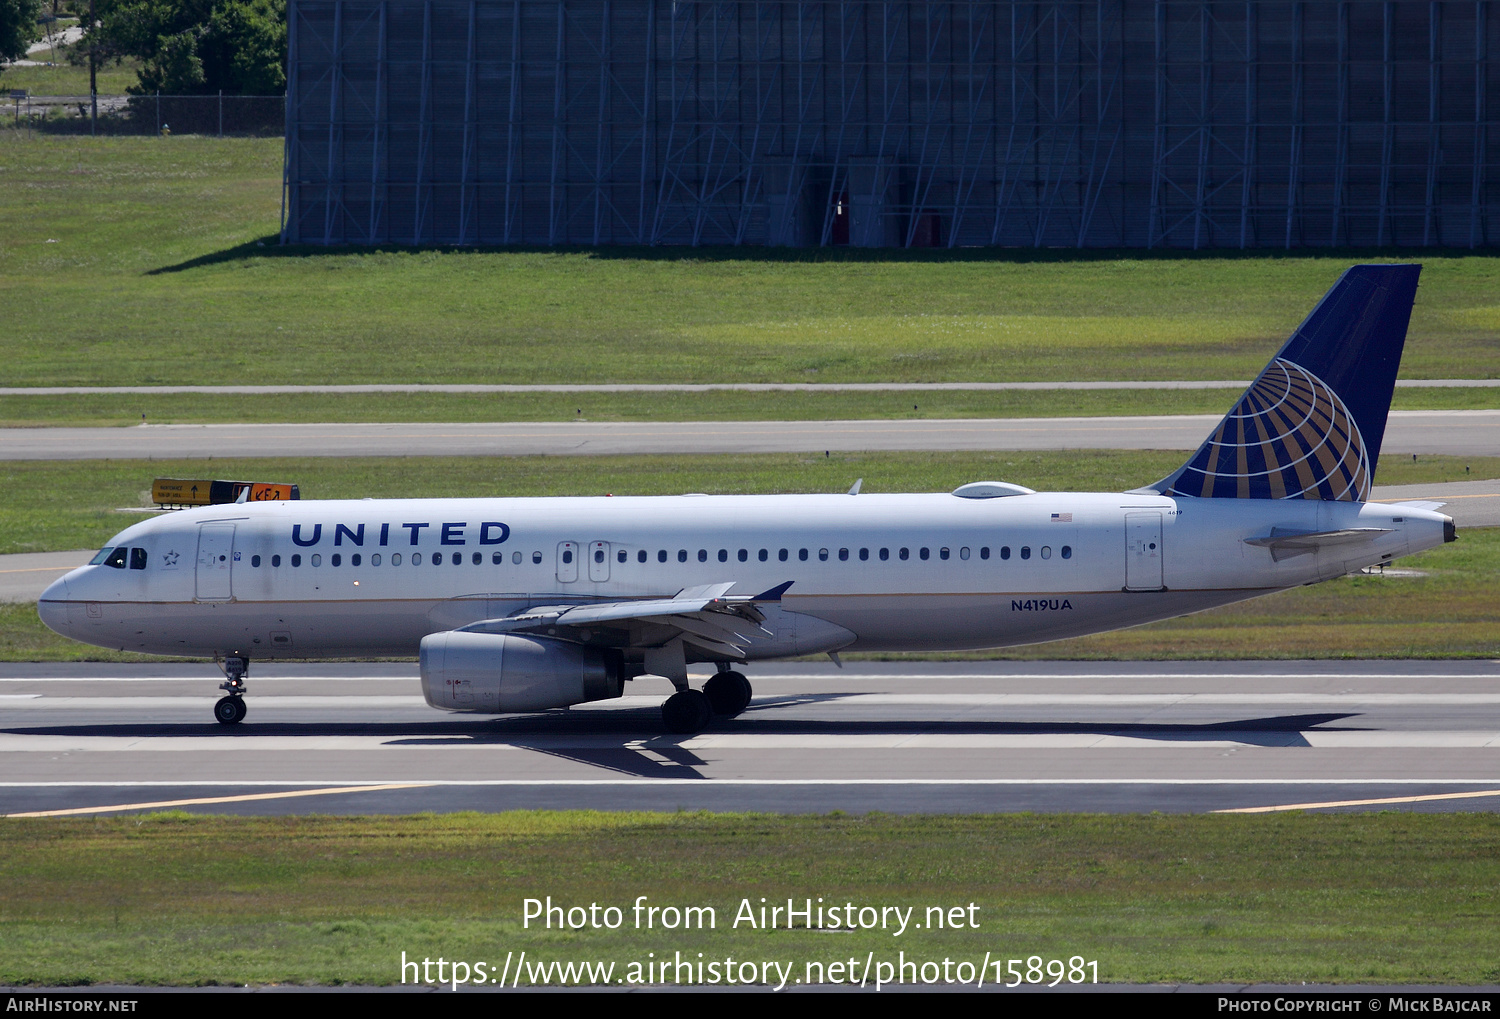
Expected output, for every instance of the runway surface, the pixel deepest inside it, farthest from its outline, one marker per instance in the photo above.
(902, 737)
(689, 387)
(1457, 432)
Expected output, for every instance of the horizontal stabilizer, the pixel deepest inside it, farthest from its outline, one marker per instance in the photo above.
(1285, 543)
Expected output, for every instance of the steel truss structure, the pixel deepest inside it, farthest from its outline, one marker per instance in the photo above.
(1079, 123)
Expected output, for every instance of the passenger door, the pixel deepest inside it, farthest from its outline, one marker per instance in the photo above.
(215, 562)
(1143, 552)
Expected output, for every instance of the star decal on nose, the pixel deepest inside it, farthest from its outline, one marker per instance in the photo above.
(170, 559)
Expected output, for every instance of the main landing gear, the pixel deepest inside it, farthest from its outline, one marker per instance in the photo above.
(688, 711)
(231, 708)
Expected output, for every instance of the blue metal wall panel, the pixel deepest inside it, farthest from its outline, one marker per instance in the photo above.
(1089, 123)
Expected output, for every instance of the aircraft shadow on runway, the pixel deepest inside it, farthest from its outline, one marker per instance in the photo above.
(631, 741)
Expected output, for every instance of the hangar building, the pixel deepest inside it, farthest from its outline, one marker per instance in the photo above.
(1087, 123)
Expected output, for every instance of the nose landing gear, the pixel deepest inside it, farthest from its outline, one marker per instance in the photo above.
(231, 708)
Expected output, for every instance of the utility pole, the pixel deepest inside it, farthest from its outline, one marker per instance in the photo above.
(93, 81)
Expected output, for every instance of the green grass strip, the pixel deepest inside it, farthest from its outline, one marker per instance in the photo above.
(180, 899)
(154, 260)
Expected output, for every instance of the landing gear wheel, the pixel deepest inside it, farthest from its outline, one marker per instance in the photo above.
(728, 693)
(230, 710)
(686, 711)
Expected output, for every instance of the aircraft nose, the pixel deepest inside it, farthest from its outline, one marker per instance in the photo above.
(53, 606)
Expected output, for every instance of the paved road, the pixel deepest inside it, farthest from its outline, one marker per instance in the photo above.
(689, 387)
(905, 737)
(1458, 432)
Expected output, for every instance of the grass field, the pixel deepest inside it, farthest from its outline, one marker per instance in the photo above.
(1404, 898)
(138, 261)
(194, 408)
(1450, 610)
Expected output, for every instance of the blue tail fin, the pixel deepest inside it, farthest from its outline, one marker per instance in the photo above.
(1311, 425)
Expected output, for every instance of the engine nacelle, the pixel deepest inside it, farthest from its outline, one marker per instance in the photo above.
(495, 672)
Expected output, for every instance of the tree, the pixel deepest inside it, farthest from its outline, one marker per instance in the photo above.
(198, 47)
(17, 27)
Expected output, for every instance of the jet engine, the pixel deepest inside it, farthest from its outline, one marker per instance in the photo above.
(496, 672)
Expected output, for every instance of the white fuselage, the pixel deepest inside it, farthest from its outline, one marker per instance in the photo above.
(869, 572)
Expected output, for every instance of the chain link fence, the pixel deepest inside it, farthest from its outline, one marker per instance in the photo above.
(217, 115)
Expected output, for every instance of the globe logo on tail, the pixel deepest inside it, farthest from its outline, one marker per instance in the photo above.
(1289, 437)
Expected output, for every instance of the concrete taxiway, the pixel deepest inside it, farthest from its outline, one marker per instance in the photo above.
(904, 737)
(1455, 432)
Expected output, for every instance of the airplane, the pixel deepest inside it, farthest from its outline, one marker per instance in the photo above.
(522, 605)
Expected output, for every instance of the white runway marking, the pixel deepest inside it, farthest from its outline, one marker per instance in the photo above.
(235, 743)
(147, 705)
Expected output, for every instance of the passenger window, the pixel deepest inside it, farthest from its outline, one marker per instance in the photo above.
(864, 554)
(568, 556)
(317, 560)
(297, 560)
(822, 555)
(116, 557)
(374, 559)
(276, 560)
(416, 559)
(802, 554)
(458, 558)
(924, 555)
(1004, 551)
(515, 558)
(764, 554)
(843, 555)
(942, 553)
(963, 553)
(661, 555)
(536, 557)
(723, 555)
(904, 554)
(598, 555)
(885, 554)
(335, 559)
(138, 559)
(984, 551)
(1046, 551)
(496, 559)
(1067, 551)
(682, 555)
(355, 560)
(781, 556)
(255, 561)
(396, 559)
(703, 555)
(437, 559)
(477, 559)
(1025, 551)
(744, 555)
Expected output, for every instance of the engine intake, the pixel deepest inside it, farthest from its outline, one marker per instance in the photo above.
(495, 672)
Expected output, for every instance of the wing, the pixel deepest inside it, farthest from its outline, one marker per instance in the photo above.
(706, 617)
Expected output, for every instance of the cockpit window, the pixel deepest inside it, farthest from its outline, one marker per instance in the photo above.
(116, 557)
(137, 559)
(103, 555)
